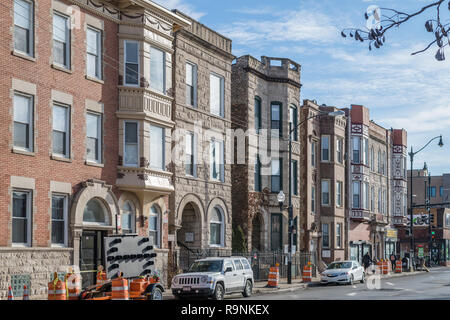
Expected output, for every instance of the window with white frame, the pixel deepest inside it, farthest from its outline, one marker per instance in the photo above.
(275, 178)
(94, 137)
(131, 49)
(131, 146)
(24, 26)
(61, 40)
(380, 200)
(372, 199)
(157, 146)
(217, 160)
(325, 192)
(94, 53)
(191, 157)
(339, 150)
(365, 195)
(128, 218)
(325, 148)
(313, 199)
(325, 235)
(157, 70)
(384, 201)
(372, 159)
(23, 121)
(191, 84)
(216, 94)
(379, 161)
(61, 130)
(21, 217)
(154, 225)
(59, 219)
(293, 120)
(338, 235)
(313, 153)
(383, 164)
(365, 159)
(356, 142)
(356, 194)
(339, 193)
(276, 117)
(216, 227)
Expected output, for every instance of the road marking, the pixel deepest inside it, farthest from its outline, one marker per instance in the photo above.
(351, 294)
(354, 287)
(390, 283)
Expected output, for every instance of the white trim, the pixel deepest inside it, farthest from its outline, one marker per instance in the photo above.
(328, 245)
(29, 216)
(99, 58)
(30, 121)
(163, 67)
(222, 94)
(68, 131)
(222, 227)
(321, 147)
(194, 82)
(68, 42)
(157, 243)
(125, 63)
(31, 36)
(99, 136)
(132, 213)
(65, 219)
(163, 148)
(329, 192)
(124, 143)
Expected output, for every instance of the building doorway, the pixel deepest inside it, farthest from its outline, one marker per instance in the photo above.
(189, 236)
(256, 233)
(91, 255)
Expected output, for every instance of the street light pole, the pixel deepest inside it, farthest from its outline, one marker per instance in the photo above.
(429, 218)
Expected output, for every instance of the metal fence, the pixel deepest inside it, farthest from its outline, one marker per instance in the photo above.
(260, 261)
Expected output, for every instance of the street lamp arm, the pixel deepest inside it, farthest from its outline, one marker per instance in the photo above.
(322, 113)
(414, 153)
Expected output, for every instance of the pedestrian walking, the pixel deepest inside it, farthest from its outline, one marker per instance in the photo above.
(392, 258)
(366, 261)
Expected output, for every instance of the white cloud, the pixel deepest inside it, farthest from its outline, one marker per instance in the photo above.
(182, 6)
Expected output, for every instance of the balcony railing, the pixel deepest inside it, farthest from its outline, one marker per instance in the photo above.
(131, 178)
(360, 215)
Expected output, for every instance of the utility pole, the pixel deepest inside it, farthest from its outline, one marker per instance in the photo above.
(429, 218)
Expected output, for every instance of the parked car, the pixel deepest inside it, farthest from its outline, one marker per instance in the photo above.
(215, 277)
(343, 272)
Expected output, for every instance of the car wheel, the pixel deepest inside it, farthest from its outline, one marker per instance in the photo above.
(363, 277)
(219, 292)
(248, 289)
(157, 294)
(352, 279)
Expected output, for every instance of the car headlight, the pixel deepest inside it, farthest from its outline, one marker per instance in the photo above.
(175, 280)
(203, 279)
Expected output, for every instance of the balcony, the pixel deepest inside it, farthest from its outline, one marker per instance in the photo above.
(359, 215)
(380, 219)
(144, 180)
(400, 221)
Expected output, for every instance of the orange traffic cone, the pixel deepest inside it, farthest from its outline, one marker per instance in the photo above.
(26, 294)
(10, 293)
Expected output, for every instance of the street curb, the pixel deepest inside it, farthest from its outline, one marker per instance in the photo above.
(276, 290)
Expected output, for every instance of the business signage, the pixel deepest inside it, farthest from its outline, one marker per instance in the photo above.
(421, 217)
(391, 233)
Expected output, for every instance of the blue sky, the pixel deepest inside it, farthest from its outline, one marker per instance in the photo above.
(401, 91)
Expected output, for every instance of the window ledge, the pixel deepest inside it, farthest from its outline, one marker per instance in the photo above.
(94, 164)
(95, 79)
(24, 152)
(60, 158)
(23, 55)
(61, 68)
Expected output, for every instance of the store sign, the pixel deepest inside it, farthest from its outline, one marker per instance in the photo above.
(421, 217)
(391, 233)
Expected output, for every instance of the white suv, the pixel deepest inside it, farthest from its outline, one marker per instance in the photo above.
(215, 277)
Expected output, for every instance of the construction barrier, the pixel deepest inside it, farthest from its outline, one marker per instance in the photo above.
(73, 283)
(57, 289)
(119, 289)
(26, 293)
(10, 293)
(385, 267)
(379, 267)
(274, 277)
(101, 278)
(398, 266)
(137, 287)
(307, 273)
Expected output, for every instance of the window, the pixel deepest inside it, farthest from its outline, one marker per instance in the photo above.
(94, 213)
(384, 201)
(94, 53)
(293, 120)
(325, 154)
(128, 218)
(294, 180)
(131, 151)
(216, 227)
(157, 139)
(379, 161)
(24, 26)
(356, 150)
(339, 147)
(216, 95)
(217, 160)
(325, 235)
(380, 200)
(154, 225)
(157, 70)
(61, 131)
(258, 121)
(131, 63)
(383, 163)
(447, 219)
(246, 264)
(275, 232)
(94, 137)
(275, 179)
(339, 193)
(325, 192)
(61, 40)
(313, 199)
(191, 159)
(191, 84)
(23, 122)
(432, 191)
(238, 264)
(372, 199)
(372, 159)
(356, 194)
(275, 117)
(365, 159)
(365, 195)
(313, 153)
(339, 235)
(21, 217)
(441, 191)
(59, 219)
(228, 264)
(258, 175)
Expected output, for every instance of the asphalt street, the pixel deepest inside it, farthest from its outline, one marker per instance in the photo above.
(434, 285)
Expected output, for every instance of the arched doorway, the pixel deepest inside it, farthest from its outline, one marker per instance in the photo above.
(189, 236)
(257, 227)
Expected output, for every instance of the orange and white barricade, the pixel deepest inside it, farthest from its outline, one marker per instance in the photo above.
(137, 288)
(101, 278)
(10, 293)
(73, 282)
(307, 273)
(57, 289)
(385, 267)
(398, 266)
(274, 277)
(26, 293)
(119, 290)
(379, 267)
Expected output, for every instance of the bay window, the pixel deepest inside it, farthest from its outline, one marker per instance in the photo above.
(131, 58)
(157, 70)
(325, 148)
(325, 192)
(131, 147)
(157, 154)
(356, 194)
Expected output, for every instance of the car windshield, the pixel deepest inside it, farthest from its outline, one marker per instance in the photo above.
(340, 265)
(206, 266)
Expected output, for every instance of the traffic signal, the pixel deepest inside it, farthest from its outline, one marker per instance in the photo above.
(433, 235)
(431, 218)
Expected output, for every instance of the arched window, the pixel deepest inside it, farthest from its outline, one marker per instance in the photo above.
(216, 226)
(154, 225)
(128, 218)
(94, 212)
